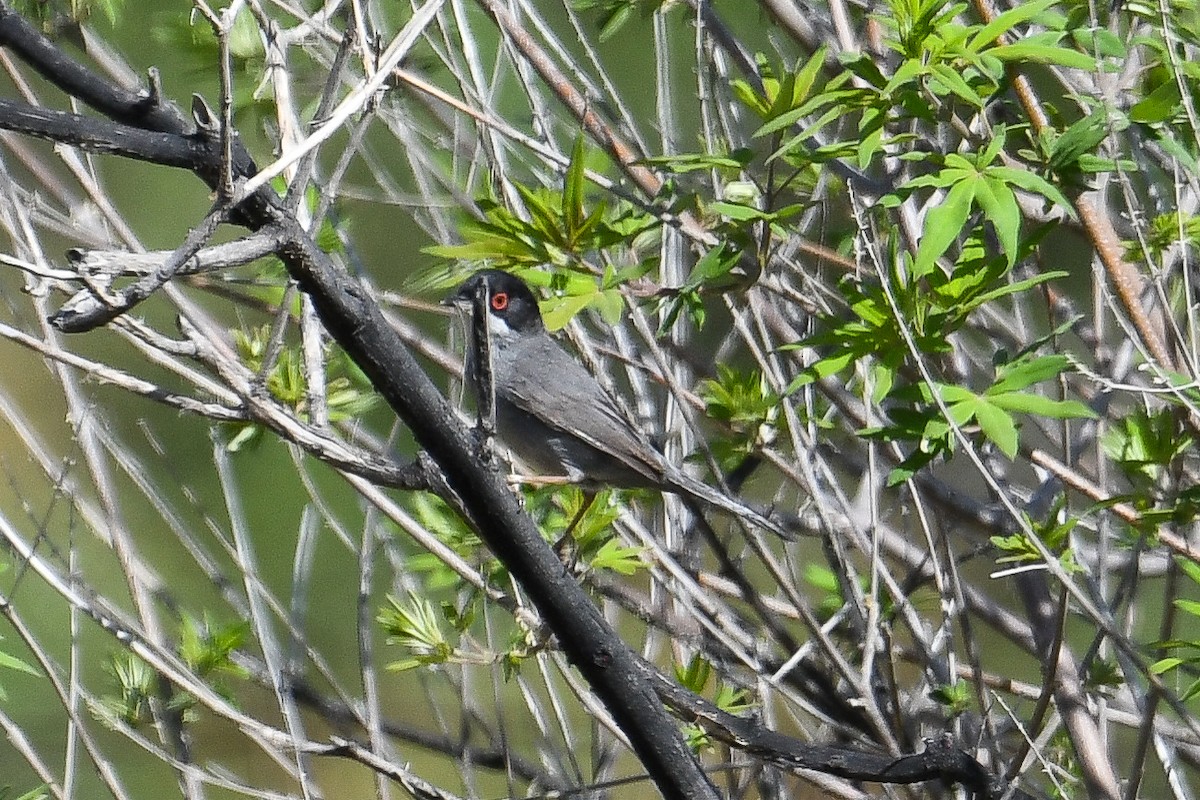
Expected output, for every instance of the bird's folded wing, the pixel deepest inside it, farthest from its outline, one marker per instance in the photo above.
(580, 407)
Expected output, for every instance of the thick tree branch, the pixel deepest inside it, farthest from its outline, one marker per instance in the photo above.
(630, 687)
(353, 319)
(170, 149)
(138, 109)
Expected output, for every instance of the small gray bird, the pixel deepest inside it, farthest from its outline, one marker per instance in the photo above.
(553, 413)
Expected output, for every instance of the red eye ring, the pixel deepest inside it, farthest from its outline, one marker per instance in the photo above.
(499, 301)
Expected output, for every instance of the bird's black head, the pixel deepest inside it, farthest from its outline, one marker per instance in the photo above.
(509, 300)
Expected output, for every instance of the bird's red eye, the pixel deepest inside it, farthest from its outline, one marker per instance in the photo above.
(499, 301)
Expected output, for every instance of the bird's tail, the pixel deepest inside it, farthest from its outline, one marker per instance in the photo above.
(771, 521)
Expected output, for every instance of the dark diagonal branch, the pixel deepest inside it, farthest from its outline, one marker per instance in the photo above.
(142, 128)
(140, 109)
(354, 320)
(167, 148)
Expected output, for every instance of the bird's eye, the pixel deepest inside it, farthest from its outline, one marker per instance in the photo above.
(499, 301)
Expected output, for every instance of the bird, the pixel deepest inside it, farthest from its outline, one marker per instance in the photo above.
(555, 416)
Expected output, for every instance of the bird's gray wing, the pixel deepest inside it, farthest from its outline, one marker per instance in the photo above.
(574, 391)
(571, 400)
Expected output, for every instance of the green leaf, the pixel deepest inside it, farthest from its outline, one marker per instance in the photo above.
(712, 268)
(545, 217)
(946, 177)
(909, 69)
(1190, 692)
(1104, 43)
(622, 560)
(1165, 665)
(1026, 403)
(961, 412)
(416, 626)
(12, 662)
(750, 98)
(999, 205)
(949, 393)
(737, 211)
(1042, 48)
(1189, 568)
(1078, 140)
(807, 75)
(943, 225)
(615, 21)
(692, 162)
(1004, 23)
(558, 311)
(1158, 106)
(868, 147)
(824, 368)
(1013, 377)
(1015, 288)
(998, 426)
(695, 675)
(572, 196)
(953, 80)
(1023, 179)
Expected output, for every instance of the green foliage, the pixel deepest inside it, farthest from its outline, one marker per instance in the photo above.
(1070, 154)
(37, 793)
(415, 626)
(9, 661)
(348, 393)
(1144, 444)
(557, 228)
(1103, 676)
(976, 180)
(1161, 113)
(614, 14)
(1054, 534)
(933, 307)
(208, 651)
(575, 293)
(552, 509)
(713, 272)
(832, 597)
(744, 403)
(1164, 232)
(929, 328)
(941, 61)
(955, 697)
(829, 588)
(682, 163)
(695, 677)
(781, 97)
(933, 315)
(929, 303)
(191, 37)
(595, 540)
(443, 522)
(1062, 757)
(1148, 447)
(1185, 653)
(135, 683)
